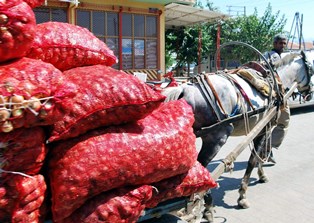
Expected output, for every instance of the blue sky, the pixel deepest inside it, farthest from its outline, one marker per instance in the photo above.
(286, 7)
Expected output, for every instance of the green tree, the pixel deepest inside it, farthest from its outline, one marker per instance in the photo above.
(253, 30)
(209, 5)
(184, 43)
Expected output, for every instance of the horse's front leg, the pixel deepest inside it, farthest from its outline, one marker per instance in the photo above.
(259, 145)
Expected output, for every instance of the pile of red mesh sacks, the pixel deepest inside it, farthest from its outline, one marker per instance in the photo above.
(79, 140)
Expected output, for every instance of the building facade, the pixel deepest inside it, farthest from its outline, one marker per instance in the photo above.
(134, 30)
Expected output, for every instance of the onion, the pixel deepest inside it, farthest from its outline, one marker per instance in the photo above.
(7, 126)
(4, 115)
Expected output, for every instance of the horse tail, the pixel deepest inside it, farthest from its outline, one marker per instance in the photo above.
(172, 93)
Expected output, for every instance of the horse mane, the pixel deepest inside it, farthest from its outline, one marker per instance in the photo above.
(172, 93)
(286, 60)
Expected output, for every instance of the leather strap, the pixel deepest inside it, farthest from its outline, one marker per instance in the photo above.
(215, 93)
(209, 97)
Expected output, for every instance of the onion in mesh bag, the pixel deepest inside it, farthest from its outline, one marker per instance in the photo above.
(67, 46)
(30, 94)
(17, 29)
(157, 147)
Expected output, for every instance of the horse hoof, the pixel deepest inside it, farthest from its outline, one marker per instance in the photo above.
(208, 215)
(263, 179)
(243, 203)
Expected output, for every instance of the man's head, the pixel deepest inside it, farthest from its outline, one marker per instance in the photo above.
(280, 42)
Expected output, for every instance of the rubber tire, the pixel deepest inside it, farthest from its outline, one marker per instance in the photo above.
(167, 218)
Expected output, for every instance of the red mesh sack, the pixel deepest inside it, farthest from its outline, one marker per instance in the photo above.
(34, 3)
(22, 150)
(17, 29)
(122, 205)
(67, 46)
(22, 199)
(157, 147)
(30, 92)
(197, 179)
(106, 97)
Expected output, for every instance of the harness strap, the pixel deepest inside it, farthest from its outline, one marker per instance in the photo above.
(215, 93)
(243, 93)
(207, 95)
(308, 67)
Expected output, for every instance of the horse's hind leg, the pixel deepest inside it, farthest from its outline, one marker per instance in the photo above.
(212, 143)
(209, 207)
(259, 143)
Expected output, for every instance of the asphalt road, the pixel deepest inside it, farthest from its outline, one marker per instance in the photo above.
(288, 197)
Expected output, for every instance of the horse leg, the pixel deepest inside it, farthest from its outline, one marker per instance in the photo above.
(242, 200)
(212, 143)
(261, 174)
(259, 143)
(264, 153)
(209, 207)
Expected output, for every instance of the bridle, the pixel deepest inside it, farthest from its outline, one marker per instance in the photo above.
(306, 91)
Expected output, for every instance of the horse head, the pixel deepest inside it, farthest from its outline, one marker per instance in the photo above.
(308, 89)
(294, 67)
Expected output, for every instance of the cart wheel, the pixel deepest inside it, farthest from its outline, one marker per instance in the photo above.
(166, 218)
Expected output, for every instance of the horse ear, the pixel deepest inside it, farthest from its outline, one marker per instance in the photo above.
(278, 63)
(303, 54)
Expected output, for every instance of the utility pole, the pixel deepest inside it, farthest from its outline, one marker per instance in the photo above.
(297, 25)
(236, 10)
(218, 46)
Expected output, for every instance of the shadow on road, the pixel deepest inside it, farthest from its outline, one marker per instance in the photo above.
(227, 184)
(302, 110)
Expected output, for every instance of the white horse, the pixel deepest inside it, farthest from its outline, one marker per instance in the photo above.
(230, 96)
(298, 99)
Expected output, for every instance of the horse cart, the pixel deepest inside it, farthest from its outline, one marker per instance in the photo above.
(192, 209)
(189, 209)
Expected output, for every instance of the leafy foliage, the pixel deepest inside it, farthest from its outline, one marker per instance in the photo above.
(254, 30)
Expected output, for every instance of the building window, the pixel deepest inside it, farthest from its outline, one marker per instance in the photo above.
(103, 25)
(139, 36)
(47, 14)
